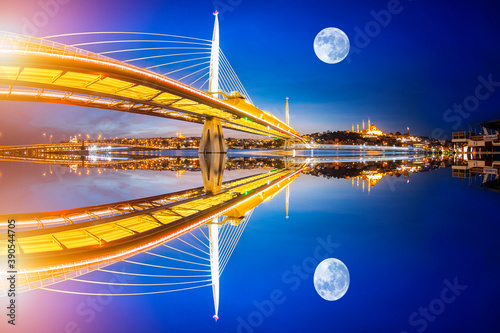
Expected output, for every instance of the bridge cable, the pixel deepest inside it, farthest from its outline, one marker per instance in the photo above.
(226, 260)
(78, 45)
(193, 246)
(201, 77)
(182, 78)
(227, 81)
(230, 82)
(165, 257)
(148, 275)
(227, 242)
(238, 82)
(135, 284)
(128, 294)
(154, 48)
(165, 55)
(225, 234)
(206, 81)
(121, 32)
(187, 67)
(227, 250)
(185, 252)
(244, 224)
(175, 62)
(166, 267)
(208, 247)
(206, 237)
(235, 76)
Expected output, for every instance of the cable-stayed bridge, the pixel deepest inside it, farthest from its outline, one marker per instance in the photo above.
(203, 225)
(42, 70)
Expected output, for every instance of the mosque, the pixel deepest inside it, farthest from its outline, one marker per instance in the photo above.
(370, 130)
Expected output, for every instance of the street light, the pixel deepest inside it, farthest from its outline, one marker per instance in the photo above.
(50, 139)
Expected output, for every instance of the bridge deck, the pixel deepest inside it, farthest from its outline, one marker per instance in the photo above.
(108, 232)
(37, 70)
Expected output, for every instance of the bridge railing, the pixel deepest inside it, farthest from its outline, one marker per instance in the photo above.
(9, 40)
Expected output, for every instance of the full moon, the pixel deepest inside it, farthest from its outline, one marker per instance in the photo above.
(331, 279)
(331, 45)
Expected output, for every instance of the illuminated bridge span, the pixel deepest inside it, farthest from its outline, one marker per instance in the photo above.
(63, 245)
(356, 147)
(40, 70)
(140, 162)
(72, 146)
(74, 154)
(353, 159)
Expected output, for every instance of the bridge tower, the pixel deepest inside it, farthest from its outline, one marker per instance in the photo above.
(287, 199)
(287, 113)
(214, 262)
(287, 141)
(212, 170)
(212, 139)
(213, 84)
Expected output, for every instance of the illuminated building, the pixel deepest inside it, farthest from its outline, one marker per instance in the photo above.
(370, 130)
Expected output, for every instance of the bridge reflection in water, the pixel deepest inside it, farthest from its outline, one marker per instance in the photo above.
(170, 242)
(63, 245)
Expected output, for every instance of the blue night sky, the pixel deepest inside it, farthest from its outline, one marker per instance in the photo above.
(408, 73)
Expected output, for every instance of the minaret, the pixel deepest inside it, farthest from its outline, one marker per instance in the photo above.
(357, 128)
(213, 85)
(287, 113)
(214, 262)
(369, 124)
(352, 128)
(363, 125)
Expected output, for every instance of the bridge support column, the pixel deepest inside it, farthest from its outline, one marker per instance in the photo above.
(287, 199)
(212, 170)
(288, 144)
(212, 139)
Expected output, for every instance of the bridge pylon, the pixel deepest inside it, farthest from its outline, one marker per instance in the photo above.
(288, 142)
(213, 84)
(287, 199)
(214, 263)
(212, 170)
(212, 139)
